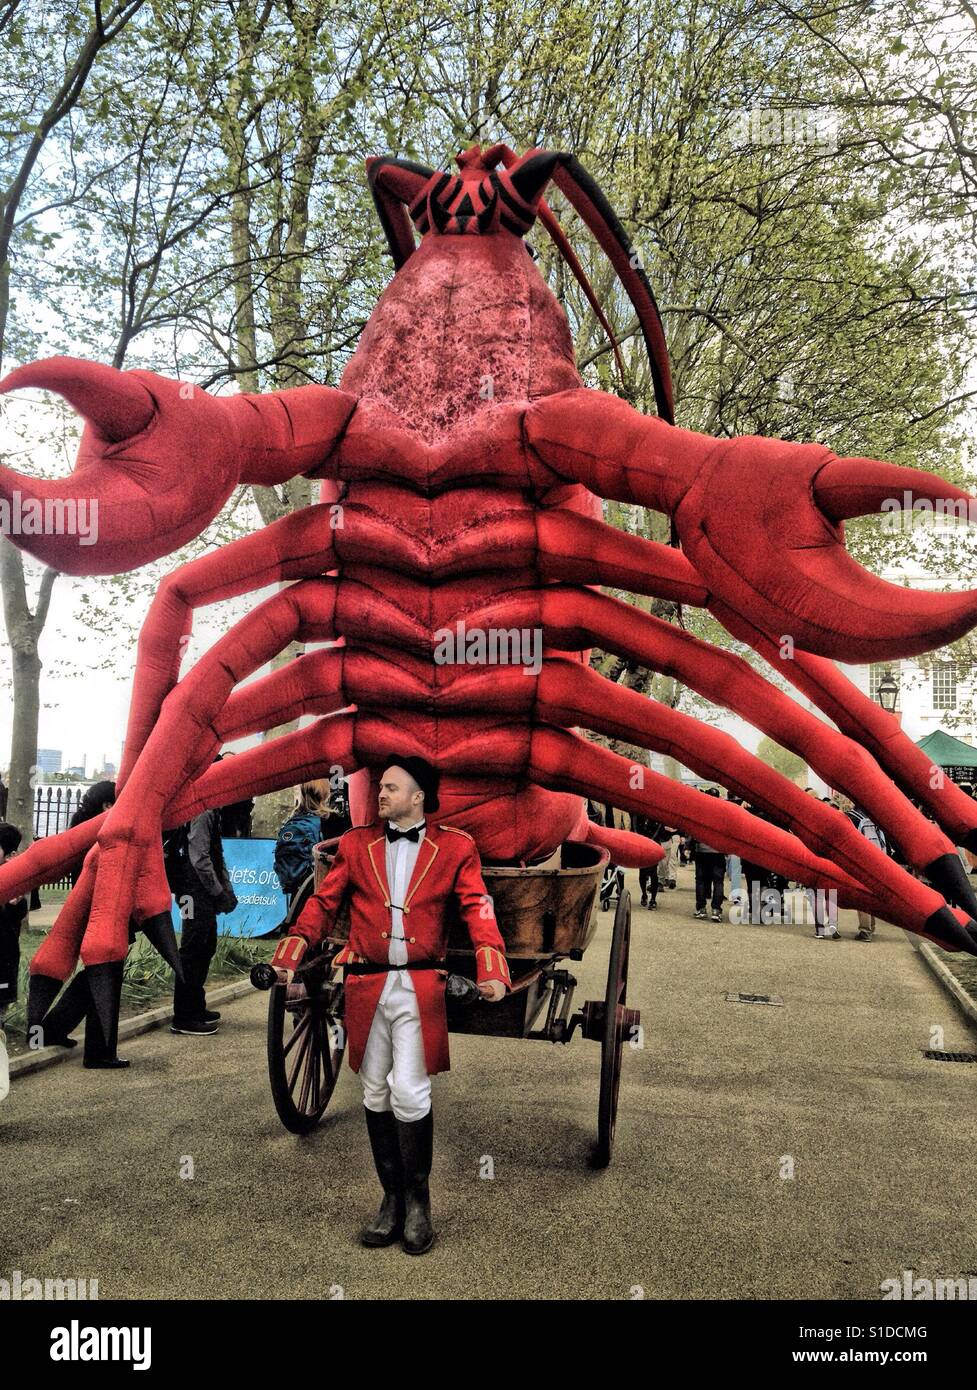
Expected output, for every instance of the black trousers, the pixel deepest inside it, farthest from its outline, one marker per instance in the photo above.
(198, 942)
(648, 879)
(710, 877)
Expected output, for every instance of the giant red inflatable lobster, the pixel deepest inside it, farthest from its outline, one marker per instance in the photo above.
(462, 462)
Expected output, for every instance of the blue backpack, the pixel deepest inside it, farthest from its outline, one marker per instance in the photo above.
(293, 850)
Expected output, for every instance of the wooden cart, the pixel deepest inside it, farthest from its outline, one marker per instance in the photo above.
(546, 916)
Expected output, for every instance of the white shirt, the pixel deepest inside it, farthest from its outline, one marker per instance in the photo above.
(401, 856)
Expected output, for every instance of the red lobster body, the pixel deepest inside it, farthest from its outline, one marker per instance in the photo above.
(467, 330)
(462, 463)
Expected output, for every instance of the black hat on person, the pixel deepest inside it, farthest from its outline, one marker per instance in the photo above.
(10, 837)
(427, 777)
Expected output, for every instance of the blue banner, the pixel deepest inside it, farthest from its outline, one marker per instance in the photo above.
(261, 904)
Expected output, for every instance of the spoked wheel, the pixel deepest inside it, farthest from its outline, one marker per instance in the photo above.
(614, 1023)
(306, 1043)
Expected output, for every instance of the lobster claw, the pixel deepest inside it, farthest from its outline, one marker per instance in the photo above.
(157, 461)
(763, 524)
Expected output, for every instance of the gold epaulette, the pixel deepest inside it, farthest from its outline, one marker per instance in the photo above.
(455, 830)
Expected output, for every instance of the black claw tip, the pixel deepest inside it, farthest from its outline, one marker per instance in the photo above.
(41, 994)
(105, 987)
(159, 932)
(949, 877)
(947, 931)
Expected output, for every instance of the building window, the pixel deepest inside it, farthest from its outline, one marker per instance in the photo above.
(944, 685)
(876, 674)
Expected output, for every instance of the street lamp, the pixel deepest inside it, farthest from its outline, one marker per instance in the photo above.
(888, 692)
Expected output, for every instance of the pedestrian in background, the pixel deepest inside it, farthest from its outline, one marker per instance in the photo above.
(198, 878)
(75, 1002)
(648, 877)
(710, 875)
(864, 824)
(734, 866)
(319, 815)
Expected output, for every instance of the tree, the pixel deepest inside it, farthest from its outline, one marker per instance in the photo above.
(42, 93)
(781, 759)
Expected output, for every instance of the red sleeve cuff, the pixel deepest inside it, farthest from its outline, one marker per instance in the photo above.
(491, 964)
(289, 953)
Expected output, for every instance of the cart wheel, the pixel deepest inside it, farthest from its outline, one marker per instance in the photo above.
(617, 1023)
(305, 1051)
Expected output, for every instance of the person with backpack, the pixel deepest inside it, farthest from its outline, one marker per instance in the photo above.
(318, 816)
(864, 824)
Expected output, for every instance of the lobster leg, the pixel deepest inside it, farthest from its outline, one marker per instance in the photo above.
(761, 521)
(585, 551)
(633, 563)
(180, 746)
(873, 727)
(300, 756)
(47, 859)
(569, 697)
(564, 761)
(311, 684)
(297, 546)
(576, 618)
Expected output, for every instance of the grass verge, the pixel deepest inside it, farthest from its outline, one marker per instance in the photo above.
(962, 966)
(147, 980)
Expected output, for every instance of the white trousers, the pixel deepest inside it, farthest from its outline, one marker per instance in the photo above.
(393, 1071)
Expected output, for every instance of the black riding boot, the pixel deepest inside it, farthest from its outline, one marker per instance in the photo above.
(416, 1145)
(388, 1225)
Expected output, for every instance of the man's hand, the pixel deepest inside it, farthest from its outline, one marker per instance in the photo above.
(492, 990)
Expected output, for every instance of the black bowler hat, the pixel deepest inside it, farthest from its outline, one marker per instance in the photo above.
(427, 777)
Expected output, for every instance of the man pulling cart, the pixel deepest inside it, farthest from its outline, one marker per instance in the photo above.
(398, 877)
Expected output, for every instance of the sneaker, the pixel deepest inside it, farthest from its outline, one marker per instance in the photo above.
(717, 916)
(200, 1026)
(827, 936)
(211, 1016)
(700, 912)
(865, 936)
(644, 902)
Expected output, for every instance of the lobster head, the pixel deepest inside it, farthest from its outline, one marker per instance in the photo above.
(497, 193)
(477, 201)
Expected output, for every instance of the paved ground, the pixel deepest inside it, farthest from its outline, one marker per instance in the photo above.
(721, 1101)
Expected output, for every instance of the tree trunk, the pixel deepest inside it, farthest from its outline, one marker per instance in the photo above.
(24, 630)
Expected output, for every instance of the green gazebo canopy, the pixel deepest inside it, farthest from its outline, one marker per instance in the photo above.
(945, 751)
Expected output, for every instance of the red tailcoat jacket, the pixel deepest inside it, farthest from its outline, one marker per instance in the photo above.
(447, 867)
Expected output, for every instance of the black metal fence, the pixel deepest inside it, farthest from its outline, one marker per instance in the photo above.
(54, 807)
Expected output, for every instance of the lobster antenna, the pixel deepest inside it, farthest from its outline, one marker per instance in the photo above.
(588, 200)
(509, 157)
